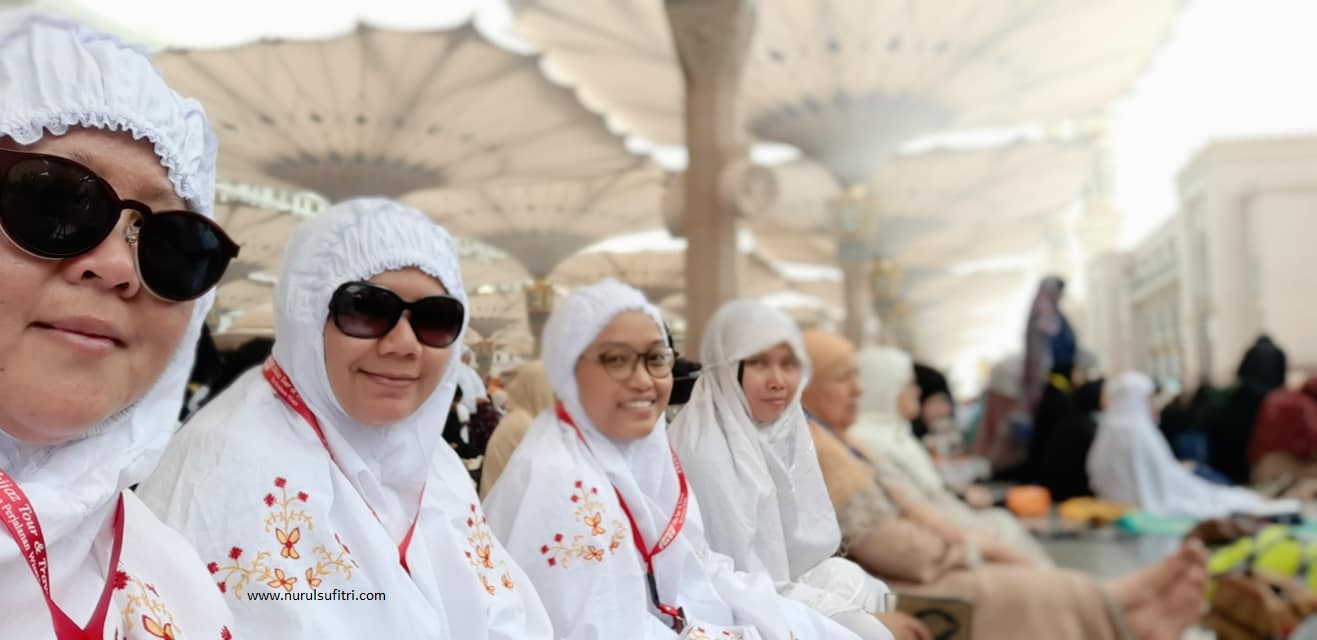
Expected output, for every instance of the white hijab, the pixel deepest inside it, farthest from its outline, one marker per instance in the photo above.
(880, 430)
(555, 508)
(55, 75)
(1130, 461)
(247, 471)
(472, 385)
(762, 492)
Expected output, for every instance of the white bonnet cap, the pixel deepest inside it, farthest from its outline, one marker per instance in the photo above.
(56, 74)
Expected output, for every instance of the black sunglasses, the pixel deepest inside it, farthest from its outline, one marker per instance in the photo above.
(365, 310)
(54, 208)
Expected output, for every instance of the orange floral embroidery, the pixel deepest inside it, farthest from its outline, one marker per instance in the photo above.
(156, 630)
(281, 581)
(480, 556)
(590, 511)
(285, 522)
(143, 604)
(289, 541)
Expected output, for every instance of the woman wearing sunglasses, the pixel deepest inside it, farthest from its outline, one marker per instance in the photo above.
(107, 259)
(317, 488)
(596, 507)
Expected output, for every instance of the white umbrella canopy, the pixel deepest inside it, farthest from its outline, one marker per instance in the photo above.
(492, 314)
(966, 290)
(661, 274)
(385, 112)
(541, 223)
(492, 272)
(617, 55)
(500, 316)
(782, 243)
(849, 81)
(966, 186)
(929, 200)
(243, 304)
(261, 235)
(982, 240)
(658, 274)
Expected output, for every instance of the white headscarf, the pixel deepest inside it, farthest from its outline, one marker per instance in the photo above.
(247, 471)
(55, 75)
(555, 508)
(880, 430)
(1131, 462)
(762, 492)
(472, 385)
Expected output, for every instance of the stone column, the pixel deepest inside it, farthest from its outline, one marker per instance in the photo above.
(855, 218)
(887, 287)
(712, 38)
(484, 351)
(539, 304)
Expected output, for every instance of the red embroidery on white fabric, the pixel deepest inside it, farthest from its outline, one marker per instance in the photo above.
(285, 522)
(596, 542)
(480, 555)
(144, 605)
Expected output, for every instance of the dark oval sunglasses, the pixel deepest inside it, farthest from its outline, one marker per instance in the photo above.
(368, 311)
(54, 208)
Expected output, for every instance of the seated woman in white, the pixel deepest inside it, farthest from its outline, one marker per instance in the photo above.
(745, 444)
(105, 282)
(1130, 461)
(325, 471)
(882, 432)
(596, 508)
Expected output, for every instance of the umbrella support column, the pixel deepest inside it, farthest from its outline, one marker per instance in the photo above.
(712, 38)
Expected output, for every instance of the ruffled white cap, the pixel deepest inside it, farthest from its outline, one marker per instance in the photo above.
(56, 74)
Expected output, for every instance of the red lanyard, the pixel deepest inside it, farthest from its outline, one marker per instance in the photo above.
(283, 387)
(21, 521)
(674, 527)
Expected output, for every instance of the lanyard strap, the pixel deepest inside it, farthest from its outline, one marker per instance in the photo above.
(675, 524)
(283, 387)
(21, 521)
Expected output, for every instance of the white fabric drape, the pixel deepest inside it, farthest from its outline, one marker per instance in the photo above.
(54, 76)
(880, 430)
(555, 509)
(250, 483)
(764, 501)
(471, 384)
(1130, 461)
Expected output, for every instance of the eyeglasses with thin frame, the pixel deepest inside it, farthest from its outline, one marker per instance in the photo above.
(620, 361)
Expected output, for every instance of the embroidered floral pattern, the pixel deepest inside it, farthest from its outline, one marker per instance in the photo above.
(593, 545)
(144, 606)
(285, 522)
(480, 555)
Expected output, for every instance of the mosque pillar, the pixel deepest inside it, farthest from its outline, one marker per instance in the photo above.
(484, 351)
(712, 38)
(539, 304)
(887, 288)
(855, 219)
